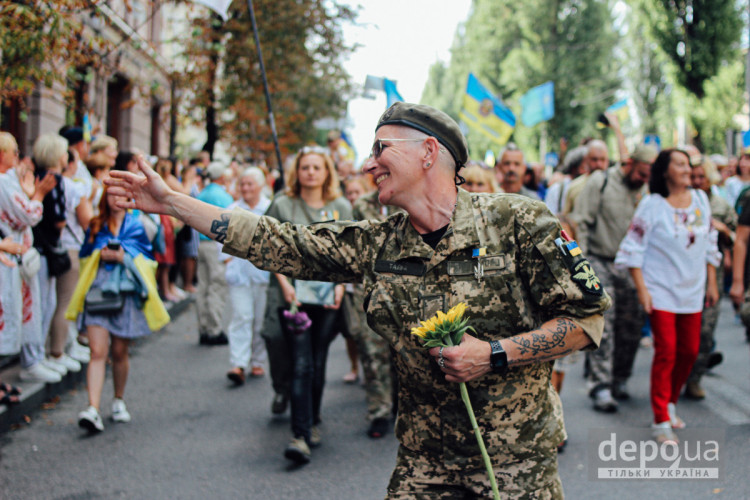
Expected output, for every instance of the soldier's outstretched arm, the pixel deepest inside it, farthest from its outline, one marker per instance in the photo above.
(554, 339)
(149, 192)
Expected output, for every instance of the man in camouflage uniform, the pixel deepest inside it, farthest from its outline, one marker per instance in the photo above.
(602, 214)
(529, 294)
(374, 350)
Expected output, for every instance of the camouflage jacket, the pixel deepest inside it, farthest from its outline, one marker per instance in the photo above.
(525, 282)
(368, 207)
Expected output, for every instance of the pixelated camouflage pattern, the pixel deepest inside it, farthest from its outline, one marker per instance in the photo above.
(525, 283)
(417, 477)
(374, 350)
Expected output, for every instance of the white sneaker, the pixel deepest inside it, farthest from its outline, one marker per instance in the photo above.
(71, 364)
(677, 422)
(40, 373)
(90, 420)
(119, 411)
(663, 433)
(80, 353)
(54, 364)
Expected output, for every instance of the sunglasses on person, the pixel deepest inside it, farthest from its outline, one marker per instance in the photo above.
(378, 146)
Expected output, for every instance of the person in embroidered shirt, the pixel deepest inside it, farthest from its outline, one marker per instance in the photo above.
(671, 251)
(522, 292)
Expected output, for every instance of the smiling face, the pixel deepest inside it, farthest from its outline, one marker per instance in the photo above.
(397, 169)
(312, 172)
(678, 171)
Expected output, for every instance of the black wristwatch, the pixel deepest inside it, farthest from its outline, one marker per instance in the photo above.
(498, 358)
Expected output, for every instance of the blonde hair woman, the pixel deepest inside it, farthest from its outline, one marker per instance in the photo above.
(480, 180)
(298, 362)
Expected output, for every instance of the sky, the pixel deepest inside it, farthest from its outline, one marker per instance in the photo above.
(400, 40)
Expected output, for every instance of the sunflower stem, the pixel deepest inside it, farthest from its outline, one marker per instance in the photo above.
(478, 434)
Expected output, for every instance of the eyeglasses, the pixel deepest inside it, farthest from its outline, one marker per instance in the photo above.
(378, 146)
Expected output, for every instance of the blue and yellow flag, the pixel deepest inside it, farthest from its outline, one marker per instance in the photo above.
(620, 110)
(483, 111)
(538, 104)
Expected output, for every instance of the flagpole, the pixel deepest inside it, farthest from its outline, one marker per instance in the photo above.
(271, 119)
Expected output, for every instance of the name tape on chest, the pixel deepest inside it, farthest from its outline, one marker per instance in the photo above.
(400, 267)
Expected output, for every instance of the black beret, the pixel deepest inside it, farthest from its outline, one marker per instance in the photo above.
(432, 122)
(74, 135)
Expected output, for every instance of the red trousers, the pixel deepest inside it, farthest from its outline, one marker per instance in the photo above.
(676, 342)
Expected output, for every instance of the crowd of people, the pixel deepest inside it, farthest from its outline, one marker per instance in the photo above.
(85, 268)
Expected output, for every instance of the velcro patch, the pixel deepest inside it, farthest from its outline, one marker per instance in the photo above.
(583, 275)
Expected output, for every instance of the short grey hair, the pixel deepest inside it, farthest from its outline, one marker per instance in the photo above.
(574, 159)
(48, 149)
(254, 173)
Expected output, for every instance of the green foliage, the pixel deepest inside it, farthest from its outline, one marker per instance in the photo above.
(698, 36)
(513, 46)
(42, 42)
(303, 51)
(722, 101)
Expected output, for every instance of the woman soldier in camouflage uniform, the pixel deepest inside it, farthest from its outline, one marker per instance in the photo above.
(530, 296)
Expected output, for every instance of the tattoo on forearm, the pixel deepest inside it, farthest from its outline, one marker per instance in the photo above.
(542, 359)
(543, 342)
(219, 228)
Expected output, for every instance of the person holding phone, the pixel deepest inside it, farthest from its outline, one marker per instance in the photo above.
(116, 255)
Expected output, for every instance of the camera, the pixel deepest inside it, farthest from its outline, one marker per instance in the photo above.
(113, 244)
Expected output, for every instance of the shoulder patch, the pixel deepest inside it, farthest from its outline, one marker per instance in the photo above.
(585, 277)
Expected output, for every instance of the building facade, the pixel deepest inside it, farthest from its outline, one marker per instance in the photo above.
(126, 97)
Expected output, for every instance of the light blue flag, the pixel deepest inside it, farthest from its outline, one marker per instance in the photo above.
(538, 104)
(390, 92)
(746, 140)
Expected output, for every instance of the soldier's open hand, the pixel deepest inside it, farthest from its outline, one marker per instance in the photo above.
(147, 192)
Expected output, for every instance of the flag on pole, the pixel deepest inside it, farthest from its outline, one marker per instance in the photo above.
(391, 93)
(484, 112)
(538, 104)
(619, 109)
(219, 6)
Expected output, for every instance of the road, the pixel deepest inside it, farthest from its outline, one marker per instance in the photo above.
(193, 436)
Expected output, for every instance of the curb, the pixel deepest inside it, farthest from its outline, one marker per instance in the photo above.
(34, 395)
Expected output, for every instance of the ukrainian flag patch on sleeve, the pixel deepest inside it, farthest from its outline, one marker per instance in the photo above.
(573, 249)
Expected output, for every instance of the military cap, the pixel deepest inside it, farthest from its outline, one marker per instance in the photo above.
(432, 122)
(644, 153)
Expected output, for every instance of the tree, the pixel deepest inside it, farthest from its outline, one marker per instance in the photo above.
(303, 50)
(698, 36)
(43, 42)
(513, 46)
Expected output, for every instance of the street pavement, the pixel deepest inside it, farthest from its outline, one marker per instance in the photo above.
(193, 436)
